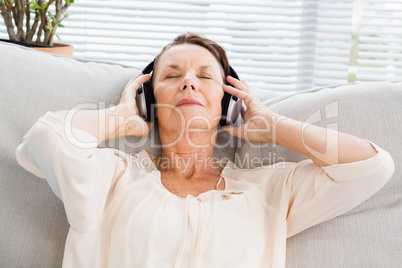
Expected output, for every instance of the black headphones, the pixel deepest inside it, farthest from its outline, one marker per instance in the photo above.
(231, 105)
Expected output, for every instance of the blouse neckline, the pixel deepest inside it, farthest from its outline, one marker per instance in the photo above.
(226, 163)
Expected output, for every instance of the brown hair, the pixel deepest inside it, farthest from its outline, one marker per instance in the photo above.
(199, 40)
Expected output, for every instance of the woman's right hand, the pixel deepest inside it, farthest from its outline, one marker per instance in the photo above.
(133, 125)
(127, 99)
(115, 122)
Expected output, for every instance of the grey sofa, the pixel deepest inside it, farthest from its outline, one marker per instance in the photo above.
(33, 225)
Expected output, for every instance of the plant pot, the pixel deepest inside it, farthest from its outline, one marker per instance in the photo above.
(57, 48)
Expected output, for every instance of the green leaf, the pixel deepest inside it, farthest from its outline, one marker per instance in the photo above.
(65, 16)
(51, 16)
(34, 5)
(59, 24)
(58, 37)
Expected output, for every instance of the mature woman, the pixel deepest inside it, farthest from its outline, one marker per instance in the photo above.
(183, 208)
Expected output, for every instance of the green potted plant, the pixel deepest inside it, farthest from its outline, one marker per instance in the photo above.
(31, 23)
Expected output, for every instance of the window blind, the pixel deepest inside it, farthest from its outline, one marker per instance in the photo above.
(280, 45)
(378, 39)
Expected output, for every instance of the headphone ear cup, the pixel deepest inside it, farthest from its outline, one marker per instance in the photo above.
(149, 100)
(145, 96)
(231, 105)
(225, 105)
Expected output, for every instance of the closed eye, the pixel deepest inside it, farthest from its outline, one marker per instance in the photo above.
(205, 76)
(172, 76)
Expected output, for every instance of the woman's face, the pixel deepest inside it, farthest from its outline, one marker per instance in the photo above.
(188, 72)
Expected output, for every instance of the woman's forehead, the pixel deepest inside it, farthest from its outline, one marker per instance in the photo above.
(187, 53)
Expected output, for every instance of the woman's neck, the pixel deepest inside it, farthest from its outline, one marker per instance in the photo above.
(188, 153)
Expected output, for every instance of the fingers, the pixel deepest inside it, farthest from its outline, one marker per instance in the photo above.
(132, 79)
(232, 131)
(243, 110)
(127, 98)
(145, 129)
(137, 80)
(235, 92)
(136, 126)
(244, 82)
(238, 132)
(237, 84)
(238, 89)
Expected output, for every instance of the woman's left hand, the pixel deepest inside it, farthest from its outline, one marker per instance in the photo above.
(258, 120)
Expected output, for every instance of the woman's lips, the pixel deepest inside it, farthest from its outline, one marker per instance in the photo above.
(186, 102)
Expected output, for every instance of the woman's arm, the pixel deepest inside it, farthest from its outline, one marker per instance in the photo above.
(111, 123)
(323, 146)
(346, 170)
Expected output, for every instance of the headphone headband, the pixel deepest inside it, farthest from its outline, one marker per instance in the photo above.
(149, 68)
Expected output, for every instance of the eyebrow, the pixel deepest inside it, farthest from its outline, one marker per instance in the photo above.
(173, 66)
(204, 67)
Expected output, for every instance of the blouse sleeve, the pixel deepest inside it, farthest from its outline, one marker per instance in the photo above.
(316, 194)
(78, 172)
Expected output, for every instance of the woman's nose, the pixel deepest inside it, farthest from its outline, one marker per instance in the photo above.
(189, 83)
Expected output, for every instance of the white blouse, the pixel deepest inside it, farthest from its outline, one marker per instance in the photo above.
(121, 215)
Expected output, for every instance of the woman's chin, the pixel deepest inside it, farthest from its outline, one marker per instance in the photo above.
(190, 122)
